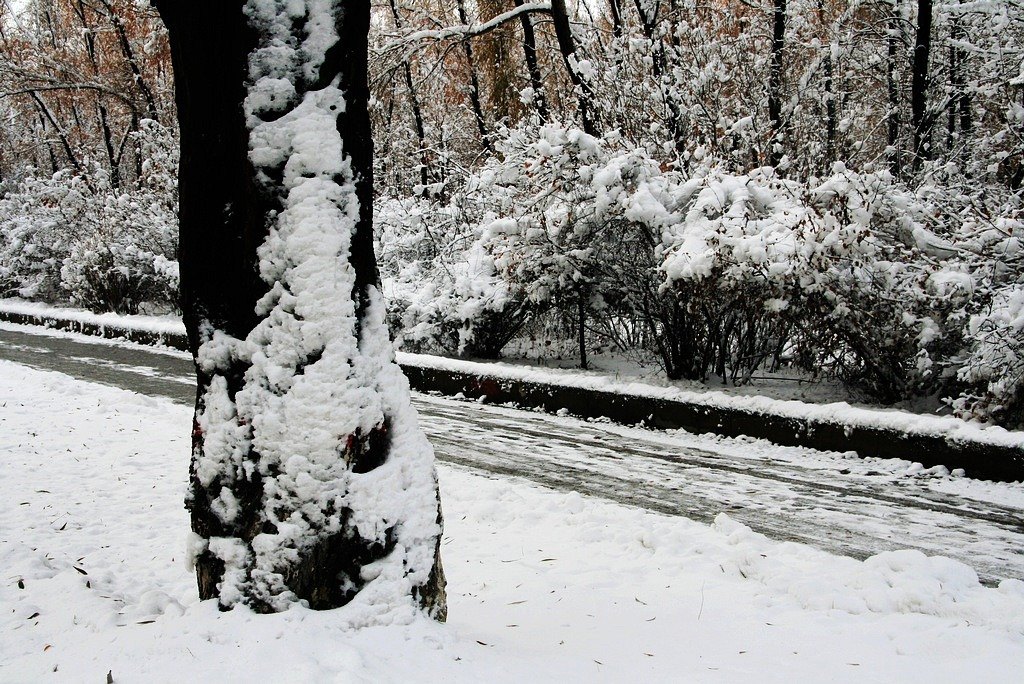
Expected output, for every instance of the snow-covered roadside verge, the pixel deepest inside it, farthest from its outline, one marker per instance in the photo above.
(543, 585)
(985, 452)
(836, 412)
(152, 330)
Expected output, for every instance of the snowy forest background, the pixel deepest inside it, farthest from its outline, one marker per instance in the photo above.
(723, 188)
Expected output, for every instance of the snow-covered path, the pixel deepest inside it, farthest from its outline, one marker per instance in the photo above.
(843, 505)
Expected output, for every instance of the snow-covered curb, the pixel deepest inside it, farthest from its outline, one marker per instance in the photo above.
(985, 452)
(948, 427)
(162, 330)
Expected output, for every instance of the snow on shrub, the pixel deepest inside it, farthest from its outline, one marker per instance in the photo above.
(444, 293)
(724, 272)
(559, 229)
(35, 236)
(78, 237)
(994, 365)
(847, 269)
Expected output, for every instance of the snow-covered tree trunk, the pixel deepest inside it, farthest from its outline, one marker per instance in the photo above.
(310, 478)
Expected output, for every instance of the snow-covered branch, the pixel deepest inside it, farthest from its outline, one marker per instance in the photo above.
(463, 31)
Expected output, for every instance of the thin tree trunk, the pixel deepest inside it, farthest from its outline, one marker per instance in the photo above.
(892, 90)
(417, 113)
(959, 107)
(613, 6)
(567, 46)
(582, 320)
(532, 65)
(88, 35)
(920, 82)
(133, 62)
(61, 135)
(830, 96)
(648, 13)
(49, 145)
(830, 111)
(474, 83)
(775, 82)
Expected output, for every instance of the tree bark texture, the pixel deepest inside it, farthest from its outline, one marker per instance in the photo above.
(920, 82)
(567, 46)
(231, 202)
(892, 41)
(775, 82)
(532, 64)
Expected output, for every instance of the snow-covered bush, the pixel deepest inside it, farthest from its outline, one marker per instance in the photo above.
(444, 294)
(35, 236)
(852, 277)
(556, 223)
(992, 367)
(995, 362)
(564, 225)
(78, 237)
(847, 274)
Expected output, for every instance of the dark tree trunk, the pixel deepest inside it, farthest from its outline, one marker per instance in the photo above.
(648, 13)
(51, 154)
(613, 6)
(133, 62)
(648, 25)
(775, 82)
(44, 111)
(830, 111)
(474, 83)
(89, 36)
(920, 82)
(830, 96)
(582, 332)
(532, 65)
(892, 42)
(567, 46)
(231, 200)
(959, 107)
(417, 114)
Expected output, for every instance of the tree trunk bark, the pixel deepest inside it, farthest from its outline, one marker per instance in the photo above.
(892, 41)
(919, 85)
(474, 84)
(532, 65)
(567, 46)
(775, 82)
(299, 399)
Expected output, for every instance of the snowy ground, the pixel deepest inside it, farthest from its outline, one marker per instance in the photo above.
(543, 585)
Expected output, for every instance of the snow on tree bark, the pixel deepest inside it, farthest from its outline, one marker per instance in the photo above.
(310, 479)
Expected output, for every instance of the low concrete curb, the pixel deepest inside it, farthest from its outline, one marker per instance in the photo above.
(979, 460)
(109, 331)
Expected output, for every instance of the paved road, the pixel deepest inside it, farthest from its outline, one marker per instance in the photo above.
(847, 513)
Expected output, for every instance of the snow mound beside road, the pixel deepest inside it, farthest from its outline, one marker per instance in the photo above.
(894, 582)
